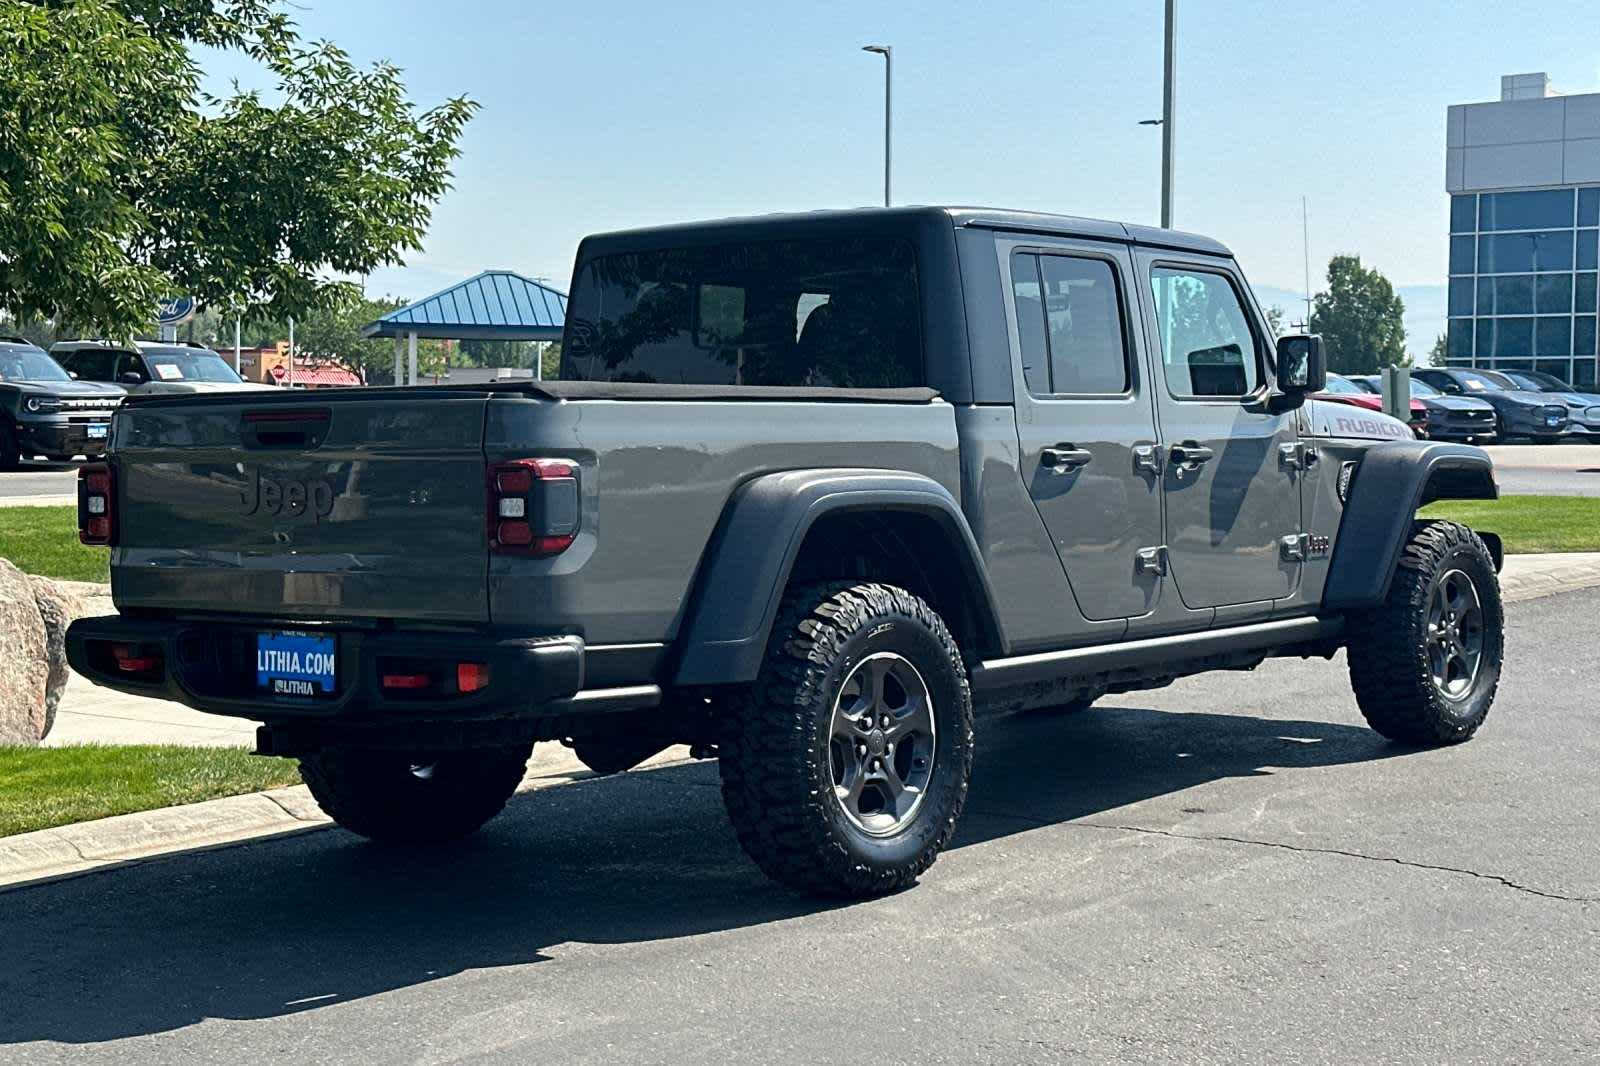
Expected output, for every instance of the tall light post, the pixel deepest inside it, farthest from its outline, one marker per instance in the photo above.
(1168, 91)
(888, 79)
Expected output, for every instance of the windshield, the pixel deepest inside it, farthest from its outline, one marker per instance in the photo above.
(189, 365)
(836, 312)
(1536, 381)
(1367, 385)
(1422, 388)
(1473, 381)
(30, 364)
(1342, 387)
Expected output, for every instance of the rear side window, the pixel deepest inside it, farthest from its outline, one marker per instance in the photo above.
(1207, 346)
(843, 313)
(91, 364)
(1069, 318)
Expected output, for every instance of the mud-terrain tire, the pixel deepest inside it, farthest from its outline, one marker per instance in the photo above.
(823, 797)
(405, 798)
(1425, 665)
(10, 450)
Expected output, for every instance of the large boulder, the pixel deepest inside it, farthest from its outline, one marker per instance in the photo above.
(34, 614)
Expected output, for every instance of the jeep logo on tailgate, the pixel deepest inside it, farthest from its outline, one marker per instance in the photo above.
(289, 497)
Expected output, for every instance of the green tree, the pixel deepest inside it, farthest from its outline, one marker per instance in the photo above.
(1360, 319)
(1275, 320)
(121, 182)
(1437, 354)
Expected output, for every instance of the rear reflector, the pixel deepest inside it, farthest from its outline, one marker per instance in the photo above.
(406, 681)
(470, 677)
(132, 659)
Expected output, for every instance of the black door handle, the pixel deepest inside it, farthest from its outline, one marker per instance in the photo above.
(1192, 453)
(1064, 457)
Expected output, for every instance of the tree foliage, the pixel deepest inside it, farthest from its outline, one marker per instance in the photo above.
(1360, 319)
(122, 182)
(1439, 351)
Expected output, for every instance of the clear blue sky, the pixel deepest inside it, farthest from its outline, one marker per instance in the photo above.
(603, 115)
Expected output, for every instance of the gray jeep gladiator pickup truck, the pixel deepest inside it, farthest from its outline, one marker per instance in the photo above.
(808, 489)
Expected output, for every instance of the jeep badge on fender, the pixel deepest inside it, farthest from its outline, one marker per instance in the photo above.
(289, 497)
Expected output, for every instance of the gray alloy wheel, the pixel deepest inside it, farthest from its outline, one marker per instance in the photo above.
(1454, 634)
(882, 743)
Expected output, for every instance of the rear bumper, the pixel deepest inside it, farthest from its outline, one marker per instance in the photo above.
(210, 667)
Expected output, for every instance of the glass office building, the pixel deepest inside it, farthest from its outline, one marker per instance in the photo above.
(1524, 174)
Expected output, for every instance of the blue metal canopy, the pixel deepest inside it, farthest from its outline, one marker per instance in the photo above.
(498, 305)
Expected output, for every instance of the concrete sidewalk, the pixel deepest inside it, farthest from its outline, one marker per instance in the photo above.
(93, 715)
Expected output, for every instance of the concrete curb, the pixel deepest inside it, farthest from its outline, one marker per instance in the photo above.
(52, 499)
(1528, 577)
(72, 850)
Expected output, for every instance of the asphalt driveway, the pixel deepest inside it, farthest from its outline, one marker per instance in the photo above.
(1230, 869)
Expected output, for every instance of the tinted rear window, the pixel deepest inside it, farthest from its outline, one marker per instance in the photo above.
(842, 313)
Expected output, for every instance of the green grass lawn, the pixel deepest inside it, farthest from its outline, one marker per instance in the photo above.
(45, 787)
(1530, 523)
(44, 540)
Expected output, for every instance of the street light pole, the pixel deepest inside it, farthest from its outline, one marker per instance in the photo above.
(888, 80)
(1167, 92)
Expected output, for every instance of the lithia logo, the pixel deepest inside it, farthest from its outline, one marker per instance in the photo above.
(289, 497)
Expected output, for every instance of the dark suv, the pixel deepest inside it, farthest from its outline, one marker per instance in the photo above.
(144, 368)
(43, 411)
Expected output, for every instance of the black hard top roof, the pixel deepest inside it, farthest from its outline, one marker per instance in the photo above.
(886, 220)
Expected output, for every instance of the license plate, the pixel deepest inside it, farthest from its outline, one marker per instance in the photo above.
(296, 664)
(97, 432)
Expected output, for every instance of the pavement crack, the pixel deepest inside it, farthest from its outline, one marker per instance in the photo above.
(1222, 838)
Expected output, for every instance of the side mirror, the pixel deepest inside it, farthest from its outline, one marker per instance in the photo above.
(73, 374)
(1302, 368)
(131, 377)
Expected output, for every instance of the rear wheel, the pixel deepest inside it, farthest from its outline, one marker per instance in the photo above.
(1425, 665)
(845, 767)
(412, 798)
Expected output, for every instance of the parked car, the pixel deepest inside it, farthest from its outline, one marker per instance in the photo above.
(1583, 408)
(43, 411)
(1522, 412)
(1342, 390)
(1449, 417)
(809, 487)
(144, 368)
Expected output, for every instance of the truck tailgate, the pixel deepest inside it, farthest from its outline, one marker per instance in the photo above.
(367, 503)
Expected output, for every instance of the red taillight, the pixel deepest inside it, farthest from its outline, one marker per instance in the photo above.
(533, 506)
(406, 681)
(97, 498)
(470, 677)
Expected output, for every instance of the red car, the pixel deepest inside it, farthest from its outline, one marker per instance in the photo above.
(1341, 390)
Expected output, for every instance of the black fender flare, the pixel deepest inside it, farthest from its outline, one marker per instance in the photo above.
(1391, 483)
(758, 539)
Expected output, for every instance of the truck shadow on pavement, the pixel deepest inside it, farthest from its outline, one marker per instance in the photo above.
(302, 923)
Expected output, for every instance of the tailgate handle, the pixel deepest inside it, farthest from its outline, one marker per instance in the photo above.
(297, 427)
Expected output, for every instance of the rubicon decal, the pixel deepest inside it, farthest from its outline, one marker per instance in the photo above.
(290, 497)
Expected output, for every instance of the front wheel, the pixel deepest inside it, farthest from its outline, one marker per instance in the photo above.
(1426, 664)
(845, 766)
(410, 798)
